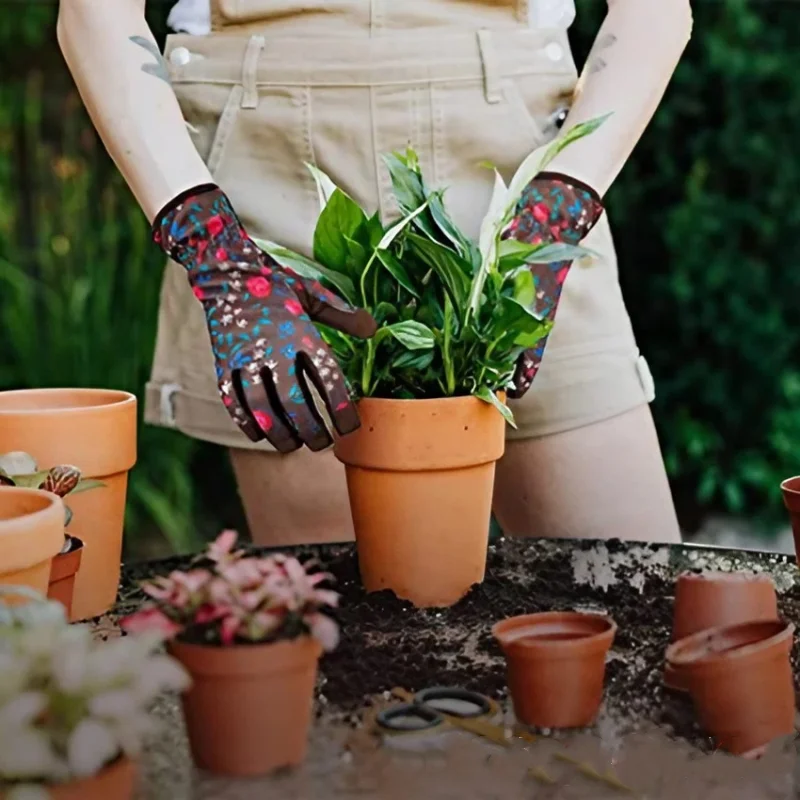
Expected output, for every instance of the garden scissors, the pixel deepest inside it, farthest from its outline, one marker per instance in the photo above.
(438, 710)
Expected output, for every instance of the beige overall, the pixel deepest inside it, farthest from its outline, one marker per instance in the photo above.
(338, 83)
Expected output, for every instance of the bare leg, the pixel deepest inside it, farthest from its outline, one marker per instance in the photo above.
(296, 499)
(602, 481)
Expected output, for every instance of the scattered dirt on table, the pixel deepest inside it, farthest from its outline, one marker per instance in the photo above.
(386, 643)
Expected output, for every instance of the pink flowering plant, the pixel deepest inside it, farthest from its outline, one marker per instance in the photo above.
(229, 597)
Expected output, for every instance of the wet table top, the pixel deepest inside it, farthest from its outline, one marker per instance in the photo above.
(644, 734)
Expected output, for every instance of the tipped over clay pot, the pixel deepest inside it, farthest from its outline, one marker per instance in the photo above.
(31, 535)
(740, 681)
(715, 599)
(420, 477)
(791, 499)
(62, 574)
(95, 431)
(556, 665)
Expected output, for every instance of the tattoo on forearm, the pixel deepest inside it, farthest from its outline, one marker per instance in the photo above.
(159, 68)
(596, 62)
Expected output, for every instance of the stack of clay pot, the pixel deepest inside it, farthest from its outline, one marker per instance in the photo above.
(730, 652)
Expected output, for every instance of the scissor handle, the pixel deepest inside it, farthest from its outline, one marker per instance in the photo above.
(389, 718)
(429, 697)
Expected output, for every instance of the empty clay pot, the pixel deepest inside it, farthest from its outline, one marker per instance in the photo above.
(714, 599)
(31, 535)
(420, 476)
(740, 680)
(248, 711)
(791, 499)
(556, 665)
(94, 430)
(62, 574)
(116, 782)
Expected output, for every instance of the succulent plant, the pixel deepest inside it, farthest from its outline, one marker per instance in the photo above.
(21, 469)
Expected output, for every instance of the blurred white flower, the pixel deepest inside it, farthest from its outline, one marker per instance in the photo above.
(26, 754)
(91, 746)
(158, 674)
(22, 709)
(29, 792)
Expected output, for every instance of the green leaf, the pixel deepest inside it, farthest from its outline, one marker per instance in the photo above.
(494, 219)
(32, 481)
(384, 312)
(452, 270)
(395, 230)
(573, 134)
(86, 485)
(338, 222)
(395, 267)
(411, 334)
(325, 186)
(514, 254)
(309, 269)
(524, 288)
(414, 359)
(488, 396)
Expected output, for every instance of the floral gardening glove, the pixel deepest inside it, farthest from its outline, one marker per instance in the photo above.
(259, 317)
(553, 208)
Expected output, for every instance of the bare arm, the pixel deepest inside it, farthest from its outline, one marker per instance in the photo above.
(627, 72)
(124, 84)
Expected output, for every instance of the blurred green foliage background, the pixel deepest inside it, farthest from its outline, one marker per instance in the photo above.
(706, 220)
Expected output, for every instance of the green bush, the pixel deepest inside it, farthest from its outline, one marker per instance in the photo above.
(707, 221)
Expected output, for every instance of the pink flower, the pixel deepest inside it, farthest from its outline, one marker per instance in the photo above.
(293, 307)
(198, 293)
(221, 548)
(228, 630)
(215, 225)
(210, 613)
(150, 620)
(541, 213)
(324, 630)
(264, 421)
(259, 287)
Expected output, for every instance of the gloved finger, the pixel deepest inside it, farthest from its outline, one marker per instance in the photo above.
(323, 371)
(232, 403)
(263, 409)
(322, 305)
(297, 406)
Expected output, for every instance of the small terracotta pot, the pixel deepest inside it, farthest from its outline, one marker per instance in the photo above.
(248, 711)
(94, 430)
(714, 599)
(117, 781)
(62, 574)
(791, 499)
(420, 475)
(740, 680)
(556, 665)
(31, 535)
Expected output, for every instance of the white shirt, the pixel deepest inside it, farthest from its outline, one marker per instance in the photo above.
(194, 16)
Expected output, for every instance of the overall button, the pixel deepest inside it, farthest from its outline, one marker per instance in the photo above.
(180, 56)
(554, 51)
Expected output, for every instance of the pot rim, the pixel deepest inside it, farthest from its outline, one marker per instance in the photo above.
(692, 643)
(737, 578)
(263, 658)
(398, 402)
(47, 517)
(121, 400)
(581, 645)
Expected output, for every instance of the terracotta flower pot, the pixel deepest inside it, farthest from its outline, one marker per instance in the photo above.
(740, 680)
(556, 665)
(94, 430)
(248, 711)
(791, 499)
(62, 575)
(715, 599)
(31, 535)
(420, 475)
(117, 781)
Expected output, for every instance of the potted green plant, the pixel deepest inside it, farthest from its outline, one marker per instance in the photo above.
(250, 630)
(73, 710)
(20, 469)
(454, 318)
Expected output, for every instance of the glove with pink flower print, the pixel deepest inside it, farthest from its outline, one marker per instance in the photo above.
(552, 208)
(260, 319)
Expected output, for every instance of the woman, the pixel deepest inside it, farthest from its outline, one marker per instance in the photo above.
(226, 120)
